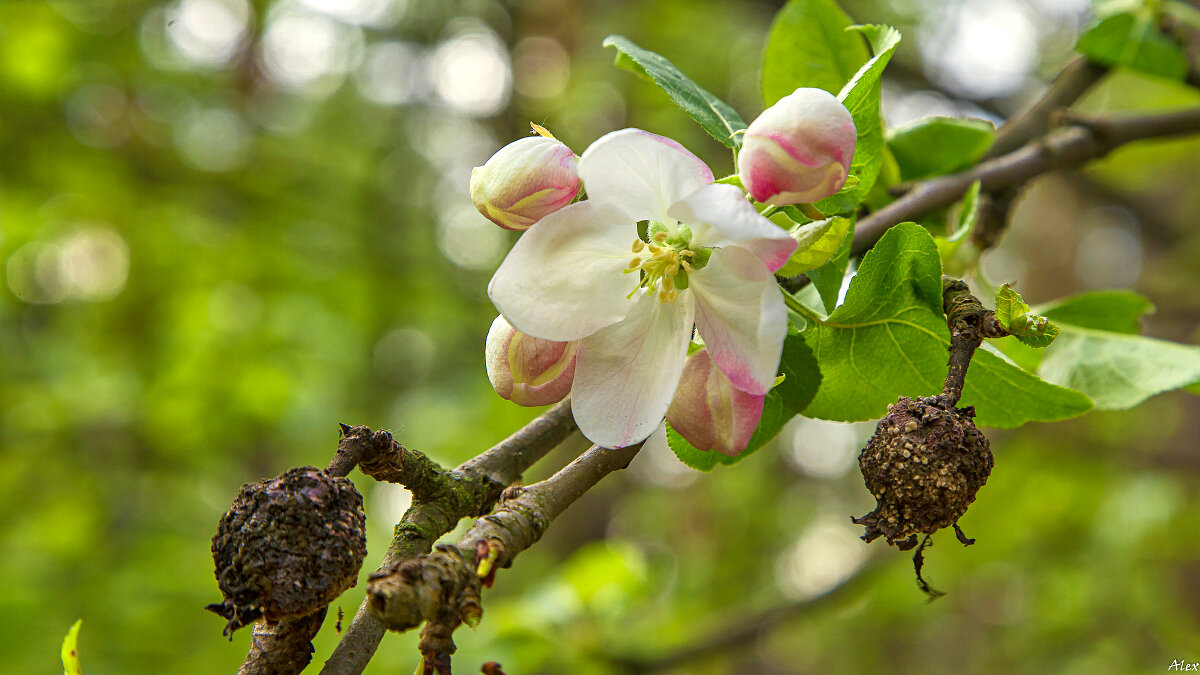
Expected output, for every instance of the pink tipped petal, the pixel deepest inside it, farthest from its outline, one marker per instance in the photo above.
(709, 412)
(720, 216)
(741, 317)
(798, 150)
(562, 280)
(626, 373)
(525, 181)
(526, 370)
(774, 177)
(641, 173)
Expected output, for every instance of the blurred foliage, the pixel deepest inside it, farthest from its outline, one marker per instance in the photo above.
(227, 226)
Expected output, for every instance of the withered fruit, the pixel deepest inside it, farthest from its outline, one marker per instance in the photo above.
(288, 547)
(924, 465)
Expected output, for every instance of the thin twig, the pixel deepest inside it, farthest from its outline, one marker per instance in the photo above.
(1087, 138)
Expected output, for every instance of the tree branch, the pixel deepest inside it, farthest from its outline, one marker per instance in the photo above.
(1087, 138)
(1071, 82)
(481, 478)
(442, 589)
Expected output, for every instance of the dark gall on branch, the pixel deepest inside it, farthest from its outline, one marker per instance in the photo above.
(924, 465)
(288, 547)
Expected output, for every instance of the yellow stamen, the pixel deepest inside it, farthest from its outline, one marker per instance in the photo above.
(638, 245)
(660, 237)
(686, 266)
(541, 131)
(652, 248)
(635, 263)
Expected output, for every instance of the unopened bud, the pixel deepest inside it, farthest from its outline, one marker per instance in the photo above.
(798, 150)
(709, 412)
(525, 181)
(526, 370)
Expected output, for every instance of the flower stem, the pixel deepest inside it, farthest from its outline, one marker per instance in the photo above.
(800, 308)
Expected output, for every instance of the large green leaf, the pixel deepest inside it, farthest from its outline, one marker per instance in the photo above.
(1100, 353)
(935, 146)
(1113, 311)
(1117, 370)
(861, 97)
(809, 47)
(1131, 39)
(889, 339)
(717, 117)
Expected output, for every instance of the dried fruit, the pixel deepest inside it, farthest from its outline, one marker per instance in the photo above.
(288, 547)
(924, 465)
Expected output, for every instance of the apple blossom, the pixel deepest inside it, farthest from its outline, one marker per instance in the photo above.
(798, 150)
(709, 412)
(527, 370)
(583, 273)
(525, 181)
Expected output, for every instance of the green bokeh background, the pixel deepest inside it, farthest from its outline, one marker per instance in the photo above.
(207, 267)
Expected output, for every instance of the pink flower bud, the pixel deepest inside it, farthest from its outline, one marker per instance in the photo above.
(525, 181)
(711, 413)
(798, 150)
(526, 370)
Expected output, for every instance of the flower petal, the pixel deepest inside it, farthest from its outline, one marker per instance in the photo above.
(641, 173)
(626, 374)
(562, 280)
(719, 215)
(741, 317)
(709, 412)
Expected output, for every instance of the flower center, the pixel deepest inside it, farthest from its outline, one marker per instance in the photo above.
(665, 261)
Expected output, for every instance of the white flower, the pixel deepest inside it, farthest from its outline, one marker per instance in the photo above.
(708, 264)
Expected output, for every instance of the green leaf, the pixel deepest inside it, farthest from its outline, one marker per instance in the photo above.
(1118, 370)
(1015, 317)
(827, 278)
(1113, 311)
(1129, 39)
(809, 46)
(802, 377)
(861, 97)
(717, 117)
(889, 339)
(774, 415)
(935, 146)
(1100, 354)
(968, 215)
(70, 651)
(816, 244)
